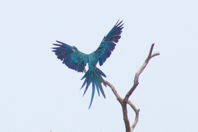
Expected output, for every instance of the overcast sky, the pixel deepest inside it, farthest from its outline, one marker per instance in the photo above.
(38, 93)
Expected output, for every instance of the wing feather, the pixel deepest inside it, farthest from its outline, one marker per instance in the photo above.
(109, 41)
(70, 56)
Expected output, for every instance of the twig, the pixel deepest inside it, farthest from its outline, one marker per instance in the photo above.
(136, 79)
(137, 111)
(125, 101)
(113, 90)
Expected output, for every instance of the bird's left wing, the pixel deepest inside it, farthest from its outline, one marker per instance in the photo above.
(108, 43)
(70, 56)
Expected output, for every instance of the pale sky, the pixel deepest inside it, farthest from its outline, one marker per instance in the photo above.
(38, 93)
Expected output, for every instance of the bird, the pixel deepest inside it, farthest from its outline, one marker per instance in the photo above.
(77, 60)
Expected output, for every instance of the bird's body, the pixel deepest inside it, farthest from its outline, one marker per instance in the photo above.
(77, 60)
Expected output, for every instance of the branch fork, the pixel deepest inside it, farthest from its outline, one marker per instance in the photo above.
(125, 101)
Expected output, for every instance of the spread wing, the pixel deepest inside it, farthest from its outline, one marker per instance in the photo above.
(70, 56)
(109, 41)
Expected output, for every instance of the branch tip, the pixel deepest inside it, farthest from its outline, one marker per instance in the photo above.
(125, 101)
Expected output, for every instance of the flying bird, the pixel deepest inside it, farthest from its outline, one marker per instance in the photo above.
(76, 60)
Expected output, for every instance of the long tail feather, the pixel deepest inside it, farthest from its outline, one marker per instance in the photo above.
(92, 94)
(94, 76)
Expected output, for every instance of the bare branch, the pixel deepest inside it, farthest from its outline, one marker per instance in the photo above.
(137, 111)
(113, 90)
(120, 100)
(136, 79)
(125, 101)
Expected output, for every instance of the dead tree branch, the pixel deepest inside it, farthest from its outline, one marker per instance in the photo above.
(124, 101)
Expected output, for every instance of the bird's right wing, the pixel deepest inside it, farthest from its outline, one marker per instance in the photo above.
(70, 56)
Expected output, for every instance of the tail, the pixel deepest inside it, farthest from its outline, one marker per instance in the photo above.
(94, 76)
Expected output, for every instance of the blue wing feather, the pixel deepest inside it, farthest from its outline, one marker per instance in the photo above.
(108, 43)
(70, 56)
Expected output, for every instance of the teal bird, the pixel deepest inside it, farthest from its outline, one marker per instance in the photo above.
(76, 60)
